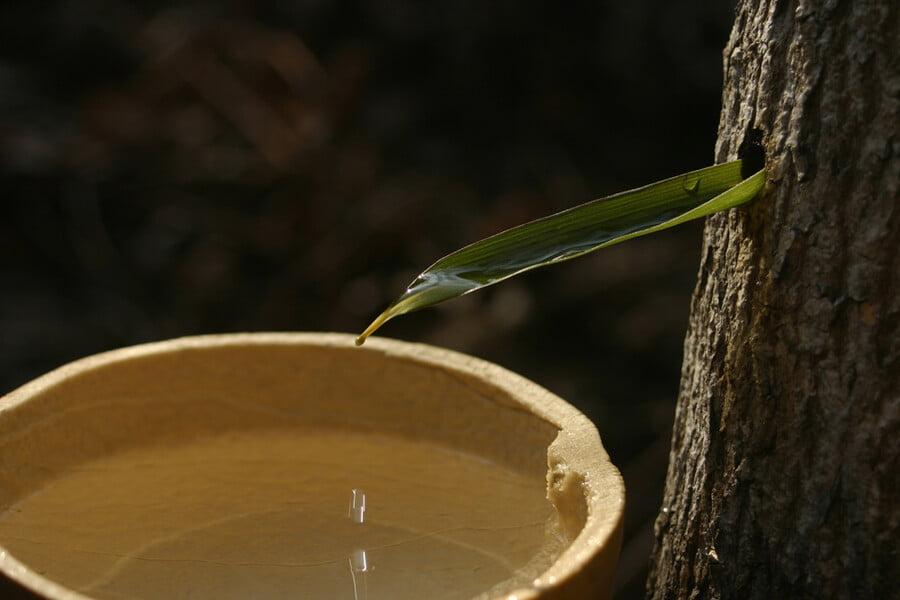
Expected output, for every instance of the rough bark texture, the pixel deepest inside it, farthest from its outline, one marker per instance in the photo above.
(783, 476)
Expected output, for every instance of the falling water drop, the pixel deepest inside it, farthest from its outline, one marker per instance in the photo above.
(357, 511)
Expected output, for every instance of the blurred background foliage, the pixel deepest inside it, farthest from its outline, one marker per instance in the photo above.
(182, 168)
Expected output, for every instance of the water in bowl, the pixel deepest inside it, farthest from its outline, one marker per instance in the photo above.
(265, 515)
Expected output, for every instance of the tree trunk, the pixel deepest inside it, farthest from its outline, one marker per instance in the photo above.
(783, 474)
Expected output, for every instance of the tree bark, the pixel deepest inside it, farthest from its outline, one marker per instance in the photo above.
(783, 474)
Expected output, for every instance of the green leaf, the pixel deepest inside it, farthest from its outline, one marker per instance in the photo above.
(574, 232)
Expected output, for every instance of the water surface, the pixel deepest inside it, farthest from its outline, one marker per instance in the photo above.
(271, 515)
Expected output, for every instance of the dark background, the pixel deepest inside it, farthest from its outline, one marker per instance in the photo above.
(175, 169)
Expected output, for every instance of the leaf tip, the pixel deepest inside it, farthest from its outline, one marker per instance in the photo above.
(373, 327)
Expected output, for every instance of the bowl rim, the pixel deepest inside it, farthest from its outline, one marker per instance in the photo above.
(577, 449)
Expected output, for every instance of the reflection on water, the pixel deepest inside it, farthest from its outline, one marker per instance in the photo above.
(359, 564)
(265, 515)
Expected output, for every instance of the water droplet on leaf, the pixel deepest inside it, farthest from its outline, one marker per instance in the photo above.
(691, 184)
